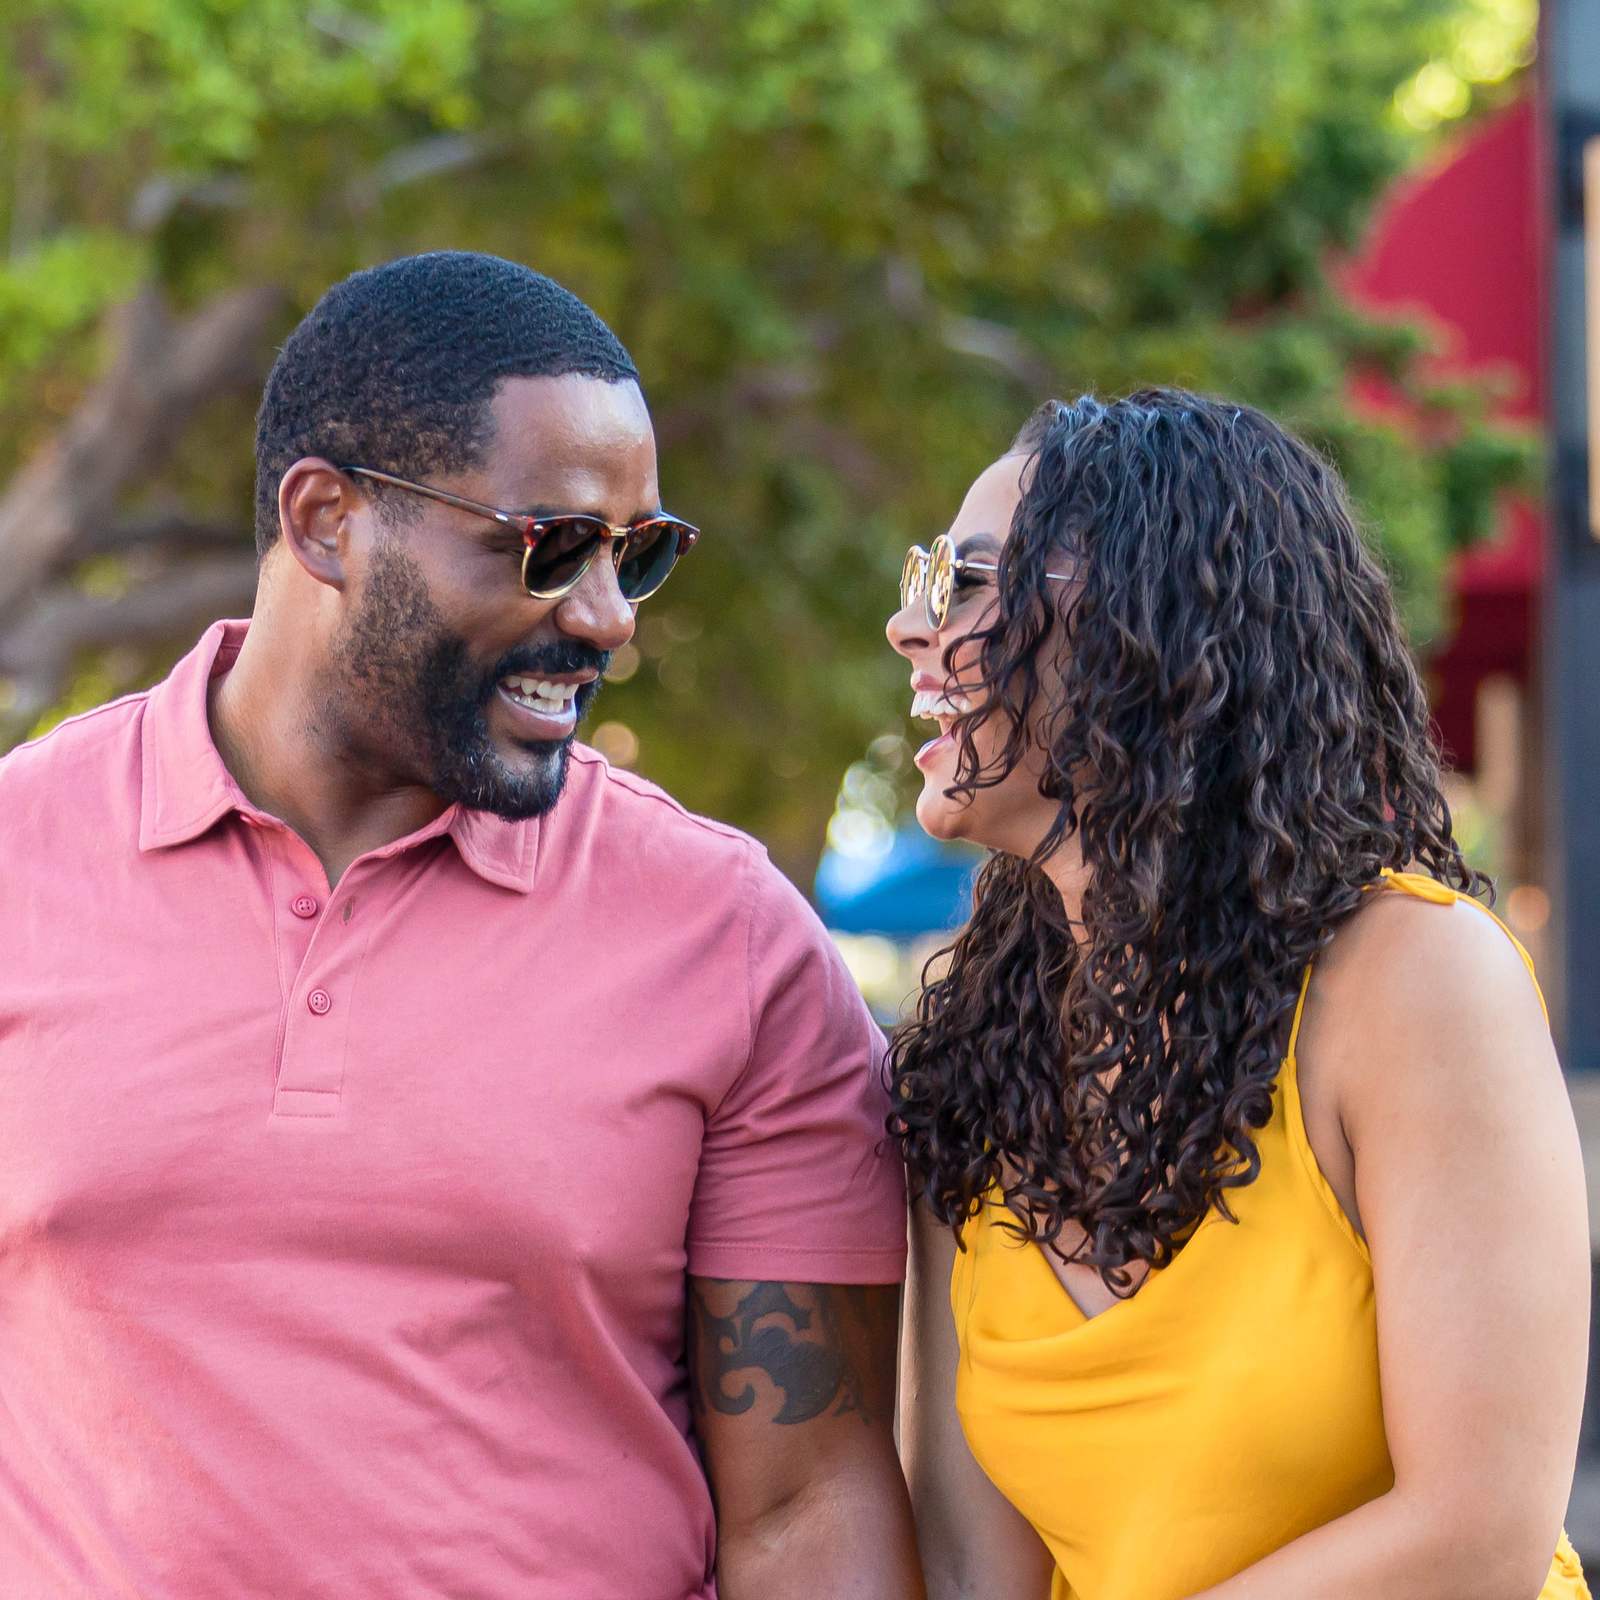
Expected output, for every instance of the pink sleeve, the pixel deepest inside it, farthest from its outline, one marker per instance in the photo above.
(798, 1182)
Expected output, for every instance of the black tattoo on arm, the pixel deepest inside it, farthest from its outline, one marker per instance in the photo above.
(821, 1349)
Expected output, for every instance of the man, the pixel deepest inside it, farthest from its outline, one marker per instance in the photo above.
(420, 1145)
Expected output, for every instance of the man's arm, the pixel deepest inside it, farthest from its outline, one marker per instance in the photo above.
(793, 1392)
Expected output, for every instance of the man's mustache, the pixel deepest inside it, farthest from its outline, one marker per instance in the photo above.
(552, 660)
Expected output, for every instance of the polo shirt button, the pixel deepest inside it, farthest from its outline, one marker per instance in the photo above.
(320, 1001)
(303, 906)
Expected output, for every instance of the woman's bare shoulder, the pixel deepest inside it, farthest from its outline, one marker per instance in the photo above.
(1438, 988)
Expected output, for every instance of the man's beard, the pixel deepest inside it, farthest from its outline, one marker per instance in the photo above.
(406, 690)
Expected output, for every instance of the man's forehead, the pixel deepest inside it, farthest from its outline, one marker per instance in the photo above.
(575, 441)
(573, 413)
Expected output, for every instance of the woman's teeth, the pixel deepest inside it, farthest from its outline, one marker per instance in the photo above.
(925, 703)
(539, 694)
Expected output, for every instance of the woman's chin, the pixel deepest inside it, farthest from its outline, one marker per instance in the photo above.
(939, 816)
(981, 823)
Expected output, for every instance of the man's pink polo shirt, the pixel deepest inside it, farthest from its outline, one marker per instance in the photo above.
(343, 1232)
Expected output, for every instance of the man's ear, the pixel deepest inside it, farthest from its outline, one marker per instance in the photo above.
(316, 503)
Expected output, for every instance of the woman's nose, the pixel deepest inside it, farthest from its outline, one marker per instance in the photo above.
(908, 630)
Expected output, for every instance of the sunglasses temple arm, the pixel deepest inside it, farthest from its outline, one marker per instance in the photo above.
(994, 566)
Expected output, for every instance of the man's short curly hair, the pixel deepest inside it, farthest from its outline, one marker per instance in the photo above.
(395, 367)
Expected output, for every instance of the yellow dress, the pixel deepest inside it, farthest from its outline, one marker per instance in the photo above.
(1229, 1406)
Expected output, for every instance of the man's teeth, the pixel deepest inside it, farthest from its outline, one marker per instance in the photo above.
(925, 703)
(539, 694)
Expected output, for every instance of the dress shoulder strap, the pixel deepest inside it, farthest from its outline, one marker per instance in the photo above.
(1418, 887)
(1299, 1012)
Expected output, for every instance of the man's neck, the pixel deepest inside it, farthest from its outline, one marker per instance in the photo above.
(276, 747)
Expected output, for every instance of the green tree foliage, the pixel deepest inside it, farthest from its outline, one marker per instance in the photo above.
(849, 244)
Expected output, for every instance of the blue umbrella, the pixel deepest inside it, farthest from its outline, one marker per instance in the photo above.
(916, 886)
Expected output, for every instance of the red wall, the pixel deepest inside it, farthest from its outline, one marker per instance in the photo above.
(1460, 245)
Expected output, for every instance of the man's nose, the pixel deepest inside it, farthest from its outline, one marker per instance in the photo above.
(595, 610)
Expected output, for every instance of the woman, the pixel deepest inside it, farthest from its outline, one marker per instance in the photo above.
(1250, 1253)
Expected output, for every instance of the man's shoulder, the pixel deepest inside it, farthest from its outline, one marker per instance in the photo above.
(96, 744)
(711, 865)
(634, 804)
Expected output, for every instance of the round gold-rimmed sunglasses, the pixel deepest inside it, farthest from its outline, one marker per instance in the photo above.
(559, 548)
(930, 576)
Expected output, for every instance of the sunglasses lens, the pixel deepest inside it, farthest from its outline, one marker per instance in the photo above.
(652, 552)
(564, 547)
(941, 573)
(913, 574)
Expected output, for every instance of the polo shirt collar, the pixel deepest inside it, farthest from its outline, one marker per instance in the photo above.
(499, 851)
(187, 789)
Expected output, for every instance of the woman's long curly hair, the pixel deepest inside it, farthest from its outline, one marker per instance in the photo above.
(1235, 735)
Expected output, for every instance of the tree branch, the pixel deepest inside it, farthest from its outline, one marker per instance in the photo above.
(167, 527)
(907, 294)
(158, 198)
(37, 654)
(436, 156)
(163, 371)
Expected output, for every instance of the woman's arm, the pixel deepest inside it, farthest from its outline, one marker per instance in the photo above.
(1470, 1190)
(975, 1545)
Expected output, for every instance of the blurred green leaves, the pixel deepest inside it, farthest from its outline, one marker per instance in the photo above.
(849, 245)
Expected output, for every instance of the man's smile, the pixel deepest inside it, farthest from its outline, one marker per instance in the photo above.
(543, 708)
